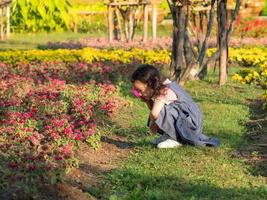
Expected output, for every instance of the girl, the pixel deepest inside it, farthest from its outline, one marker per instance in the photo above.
(173, 113)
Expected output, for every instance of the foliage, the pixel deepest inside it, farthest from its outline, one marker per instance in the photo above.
(47, 109)
(40, 15)
(264, 12)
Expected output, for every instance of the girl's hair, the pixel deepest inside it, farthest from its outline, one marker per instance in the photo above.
(150, 75)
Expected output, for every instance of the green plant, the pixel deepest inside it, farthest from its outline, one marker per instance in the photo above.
(92, 23)
(40, 15)
(264, 11)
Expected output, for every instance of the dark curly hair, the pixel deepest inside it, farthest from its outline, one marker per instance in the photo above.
(150, 75)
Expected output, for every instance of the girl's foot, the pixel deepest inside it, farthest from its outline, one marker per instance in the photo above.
(168, 143)
(162, 138)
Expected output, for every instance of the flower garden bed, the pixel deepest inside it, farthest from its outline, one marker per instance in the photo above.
(47, 110)
(53, 100)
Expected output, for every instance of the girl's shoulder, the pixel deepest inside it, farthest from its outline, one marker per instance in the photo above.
(167, 96)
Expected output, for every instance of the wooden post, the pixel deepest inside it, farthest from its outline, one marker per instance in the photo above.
(145, 23)
(154, 22)
(119, 23)
(131, 23)
(110, 23)
(1, 25)
(8, 21)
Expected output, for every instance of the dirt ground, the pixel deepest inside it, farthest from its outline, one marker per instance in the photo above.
(79, 184)
(256, 153)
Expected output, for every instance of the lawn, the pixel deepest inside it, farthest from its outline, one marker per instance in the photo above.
(189, 172)
(40, 40)
(37, 40)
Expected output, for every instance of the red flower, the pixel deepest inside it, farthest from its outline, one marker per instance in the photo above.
(58, 158)
(32, 167)
(78, 137)
(13, 165)
(67, 149)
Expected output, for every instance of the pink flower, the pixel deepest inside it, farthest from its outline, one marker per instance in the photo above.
(107, 69)
(54, 135)
(78, 137)
(68, 131)
(92, 131)
(27, 115)
(67, 149)
(59, 123)
(92, 125)
(34, 140)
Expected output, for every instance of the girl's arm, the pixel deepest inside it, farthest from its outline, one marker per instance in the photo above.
(157, 106)
(150, 104)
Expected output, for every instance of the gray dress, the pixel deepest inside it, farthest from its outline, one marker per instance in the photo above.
(182, 120)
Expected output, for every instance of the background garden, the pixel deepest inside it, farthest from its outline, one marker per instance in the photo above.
(71, 129)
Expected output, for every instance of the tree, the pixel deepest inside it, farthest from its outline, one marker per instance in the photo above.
(187, 62)
(40, 15)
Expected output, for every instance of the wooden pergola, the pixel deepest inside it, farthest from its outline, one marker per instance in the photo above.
(5, 18)
(114, 5)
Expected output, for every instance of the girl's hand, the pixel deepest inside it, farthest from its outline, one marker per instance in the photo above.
(154, 127)
(150, 103)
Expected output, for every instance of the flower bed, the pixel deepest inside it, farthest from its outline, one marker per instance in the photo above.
(255, 59)
(47, 109)
(88, 55)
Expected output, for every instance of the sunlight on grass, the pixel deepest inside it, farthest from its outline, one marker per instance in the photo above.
(189, 172)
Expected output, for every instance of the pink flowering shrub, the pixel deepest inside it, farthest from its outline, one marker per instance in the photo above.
(46, 110)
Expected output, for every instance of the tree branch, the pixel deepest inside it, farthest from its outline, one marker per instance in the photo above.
(202, 53)
(234, 16)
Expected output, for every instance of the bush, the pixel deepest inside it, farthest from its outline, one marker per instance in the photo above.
(39, 15)
(264, 11)
(46, 110)
(92, 23)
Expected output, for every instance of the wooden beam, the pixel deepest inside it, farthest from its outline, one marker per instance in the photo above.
(110, 24)
(154, 22)
(8, 21)
(1, 25)
(131, 24)
(145, 23)
(126, 4)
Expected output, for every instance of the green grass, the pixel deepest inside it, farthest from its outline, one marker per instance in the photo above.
(264, 11)
(36, 40)
(189, 172)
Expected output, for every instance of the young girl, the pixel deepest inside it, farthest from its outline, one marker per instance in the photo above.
(173, 113)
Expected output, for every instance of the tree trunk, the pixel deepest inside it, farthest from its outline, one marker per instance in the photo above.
(202, 53)
(191, 68)
(131, 23)
(184, 57)
(178, 43)
(117, 33)
(223, 46)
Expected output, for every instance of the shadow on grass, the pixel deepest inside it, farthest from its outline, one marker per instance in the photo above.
(256, 153)
(133, 185)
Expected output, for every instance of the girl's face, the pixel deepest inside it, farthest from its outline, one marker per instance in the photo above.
(144, 89)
